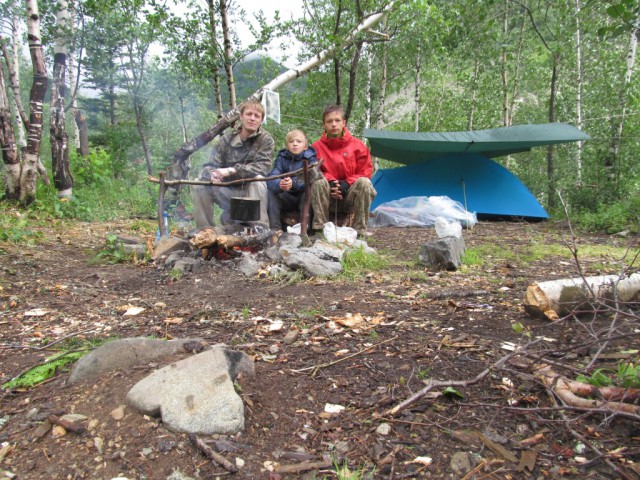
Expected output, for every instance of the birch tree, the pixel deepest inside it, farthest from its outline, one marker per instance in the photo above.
(59, 138)
(31, 165)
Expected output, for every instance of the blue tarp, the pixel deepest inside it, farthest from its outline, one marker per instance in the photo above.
(458, 165)
(481, 185)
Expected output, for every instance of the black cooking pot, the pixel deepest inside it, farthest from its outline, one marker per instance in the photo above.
(244, 209)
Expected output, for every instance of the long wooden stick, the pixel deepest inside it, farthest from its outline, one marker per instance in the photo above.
(171, 183)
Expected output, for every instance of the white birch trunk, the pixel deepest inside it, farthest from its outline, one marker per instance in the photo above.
(227, 53)
(416, 93)
(31, 165)
(559, 297)
(58, 135)
(618, 128)
(16, 41)
(578, 92)
(383, 87)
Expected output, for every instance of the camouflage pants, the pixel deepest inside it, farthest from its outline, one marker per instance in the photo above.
(358, 200)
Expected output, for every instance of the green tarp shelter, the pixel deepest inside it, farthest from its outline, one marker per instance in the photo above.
(458, 165)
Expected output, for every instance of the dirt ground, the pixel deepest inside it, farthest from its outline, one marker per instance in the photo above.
(415, 325)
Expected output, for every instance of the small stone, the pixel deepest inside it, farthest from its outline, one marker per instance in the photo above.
(59, 431)
(291, 336)
(74, 417)
(145, 452)
(99, 444)
(461, 463)
(383, 429)
(118, 413)
(93, 423)
(239, 462)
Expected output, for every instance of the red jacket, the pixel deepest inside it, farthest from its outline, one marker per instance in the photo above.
(345, 158)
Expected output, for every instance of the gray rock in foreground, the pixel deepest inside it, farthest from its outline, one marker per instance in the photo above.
(196, 395)
(443, 253)
(128, 352)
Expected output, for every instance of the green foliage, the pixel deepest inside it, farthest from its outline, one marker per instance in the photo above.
(626, 376)
(48, 369)
(175, 274)
(113, 252)
(357, 262)
(344, 473)
(452, 392)
(612, 218)
(16, 230)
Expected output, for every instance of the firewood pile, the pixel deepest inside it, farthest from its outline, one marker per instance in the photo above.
(213, 242)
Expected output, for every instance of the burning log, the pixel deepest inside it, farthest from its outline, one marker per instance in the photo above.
(213, 243)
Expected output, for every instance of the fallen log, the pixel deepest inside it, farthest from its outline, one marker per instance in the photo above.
(554, 298)
(567, 391)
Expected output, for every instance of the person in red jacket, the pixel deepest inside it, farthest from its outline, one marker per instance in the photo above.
(347, 170)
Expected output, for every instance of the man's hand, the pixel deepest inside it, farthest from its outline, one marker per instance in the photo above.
(338, 189)
(219, 174)
(286, 184)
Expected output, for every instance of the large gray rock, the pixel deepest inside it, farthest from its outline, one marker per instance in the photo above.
(168, 245)
(328, 251)
(443, 253)
(196, 395)
(312, 265)
(127, 353)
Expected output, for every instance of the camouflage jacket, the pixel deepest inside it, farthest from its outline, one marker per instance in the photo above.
(250, 158)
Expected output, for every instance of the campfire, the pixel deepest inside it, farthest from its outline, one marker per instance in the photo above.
(215, 242)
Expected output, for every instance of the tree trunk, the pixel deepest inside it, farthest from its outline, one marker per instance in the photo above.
(62, 178)
(559, 297)
(228, 65)
(353, 71)
(474, 92)
(10, 158)
(416, 92)
(21, 116)
(112, 100)
(185, 136)
(214, 61)
(81, 122)
(143, 137)
(551, 192)
(618, 122)
(31, 153)
(12, 62)
(504, 72)
(367, 112)
(336, 60)
(383, 87)
(578, 93)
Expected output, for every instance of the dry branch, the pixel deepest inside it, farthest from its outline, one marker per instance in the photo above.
(69, 425)
(304, 466)
(433, 384)
(211, 454)
(567, 391)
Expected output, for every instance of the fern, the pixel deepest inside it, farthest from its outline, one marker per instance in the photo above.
(40, 373)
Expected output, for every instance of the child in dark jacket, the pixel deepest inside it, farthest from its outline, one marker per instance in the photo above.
(287, 194)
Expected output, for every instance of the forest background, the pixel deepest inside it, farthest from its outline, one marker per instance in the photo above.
(93, 111)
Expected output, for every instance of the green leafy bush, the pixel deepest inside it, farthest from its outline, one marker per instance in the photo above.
(627, 376)
(613, 217)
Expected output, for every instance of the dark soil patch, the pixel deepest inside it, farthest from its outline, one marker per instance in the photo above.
(423, 324)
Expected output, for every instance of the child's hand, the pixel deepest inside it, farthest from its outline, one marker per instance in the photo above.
(286, 184)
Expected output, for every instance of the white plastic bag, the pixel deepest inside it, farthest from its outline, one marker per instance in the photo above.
(297, 228)
(446, 228)
(420, 212)
(333, 234)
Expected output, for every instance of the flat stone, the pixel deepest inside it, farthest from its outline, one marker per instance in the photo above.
(312, 265)
(124, 354)
(461, 463)
(248, 265)
(196, 395)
